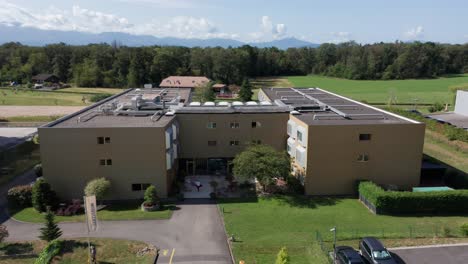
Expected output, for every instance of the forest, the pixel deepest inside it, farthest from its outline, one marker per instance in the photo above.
(112, 65)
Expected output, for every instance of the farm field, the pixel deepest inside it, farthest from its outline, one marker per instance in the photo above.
(63, 97)
(426, 91)
(263, 226)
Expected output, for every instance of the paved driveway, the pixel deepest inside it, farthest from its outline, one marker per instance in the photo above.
(447, 254)
(195, 231)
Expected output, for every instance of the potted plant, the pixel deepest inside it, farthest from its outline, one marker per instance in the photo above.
(152, 202)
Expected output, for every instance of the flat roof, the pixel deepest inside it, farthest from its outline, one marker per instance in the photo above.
(315, 106)
(97, 116)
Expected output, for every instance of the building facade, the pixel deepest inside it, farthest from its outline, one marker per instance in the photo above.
(148, 136)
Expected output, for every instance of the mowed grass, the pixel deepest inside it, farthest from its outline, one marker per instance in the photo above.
(406, 91)
(129, 211)
(63, 97)
(76, 252)
(262, 227)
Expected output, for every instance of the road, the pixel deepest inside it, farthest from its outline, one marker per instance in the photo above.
(195, 231)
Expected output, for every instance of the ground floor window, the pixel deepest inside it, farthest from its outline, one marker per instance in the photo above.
(140, 186)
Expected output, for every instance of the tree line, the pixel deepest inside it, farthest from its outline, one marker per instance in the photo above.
(104, 65)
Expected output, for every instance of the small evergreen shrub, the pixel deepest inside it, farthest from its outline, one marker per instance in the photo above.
(43, 196)
(282, 257)
(50, 231)
(151, 196)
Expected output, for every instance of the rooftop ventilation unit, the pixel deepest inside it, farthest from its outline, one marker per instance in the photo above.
(294, 112)
(251, 103)
(265, 103)
(195, 104)
(209, 104)
(170, 113)
(237, 103)
(223, 104)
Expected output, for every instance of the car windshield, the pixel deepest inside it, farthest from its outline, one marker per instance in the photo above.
(381, 254)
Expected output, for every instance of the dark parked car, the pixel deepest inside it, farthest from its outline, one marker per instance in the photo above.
(347, 255)
(374, 252)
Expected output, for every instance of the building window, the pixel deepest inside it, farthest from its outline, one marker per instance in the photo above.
(140, 186)
(256, 124)
(211, 143)
(211, 125)
(234, 125)
(299, 135)
(234, 142)
(363, 137)
(363, 158)
(103, 140)
(105, 162)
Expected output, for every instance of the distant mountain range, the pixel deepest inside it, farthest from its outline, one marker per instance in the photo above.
(37, 37)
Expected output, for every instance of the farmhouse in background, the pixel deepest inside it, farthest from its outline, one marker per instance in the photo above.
(459, 117)
(184, 82)
(45, 78)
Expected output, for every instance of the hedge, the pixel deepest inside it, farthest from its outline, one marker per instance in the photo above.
(20, 196)
(394, 202)
(49, 252)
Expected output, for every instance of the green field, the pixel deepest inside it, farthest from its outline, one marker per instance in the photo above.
(63, 97)
(406, 91)
(262, 227)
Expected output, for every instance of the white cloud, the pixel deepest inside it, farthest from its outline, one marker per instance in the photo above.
(163, 3)
(415, 33)
(339, 37)
(268, 30)
(86, 20)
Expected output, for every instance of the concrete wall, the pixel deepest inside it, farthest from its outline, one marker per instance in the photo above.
(70, 158)
(395, 154)
(461, 103)
(194, 134)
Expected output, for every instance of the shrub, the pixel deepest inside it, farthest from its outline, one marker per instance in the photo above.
(436, 107)
(98, 97)
(49, 252)
(42, 196)
(50, 231)
(151, 196)
(98, 187)
(20, 196)
(3, 233)
(393, 202)
(464, 229)
(282, 257)
(294, 185)
(74, 208)
(447, 231)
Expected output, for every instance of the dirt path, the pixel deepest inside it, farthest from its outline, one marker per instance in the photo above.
(15, 110)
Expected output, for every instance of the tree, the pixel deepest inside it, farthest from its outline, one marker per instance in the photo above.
(263, 163)
(50, 231)
(42, 196)
(151, 196)
(282, 257)
(98, 187)
(205, 93)
(245, 93)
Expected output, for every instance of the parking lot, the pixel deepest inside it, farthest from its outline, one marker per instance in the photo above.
(448, 254)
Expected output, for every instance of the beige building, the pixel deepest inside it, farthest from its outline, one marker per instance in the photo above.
(148, 136)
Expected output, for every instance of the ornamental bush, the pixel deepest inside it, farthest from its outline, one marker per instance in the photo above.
(98, 187)
(151, 196)
(394, 202)
(43, 196)
(20, 196)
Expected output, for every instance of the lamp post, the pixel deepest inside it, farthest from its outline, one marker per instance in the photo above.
(334, 242)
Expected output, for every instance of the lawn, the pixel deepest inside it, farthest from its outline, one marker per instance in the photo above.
(75, 252)
(264, 226)
(130, 211)
(30, 118)
(406, 91)
(65, 97)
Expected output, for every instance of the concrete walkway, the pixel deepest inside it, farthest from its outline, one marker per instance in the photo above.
(195, 232)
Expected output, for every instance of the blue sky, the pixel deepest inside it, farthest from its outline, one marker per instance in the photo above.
(365, 21)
